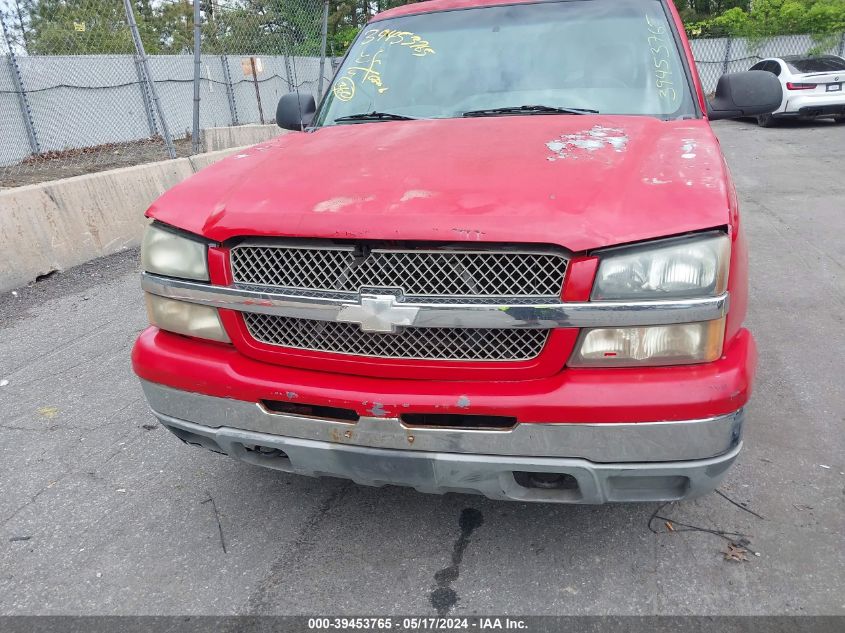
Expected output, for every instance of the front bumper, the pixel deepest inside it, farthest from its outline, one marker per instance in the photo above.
(634, 394)
(595, 463)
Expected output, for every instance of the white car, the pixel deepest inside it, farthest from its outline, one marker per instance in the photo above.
(812, 87)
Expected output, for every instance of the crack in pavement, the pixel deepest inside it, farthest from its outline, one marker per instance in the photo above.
(32, 499)
(259, 600)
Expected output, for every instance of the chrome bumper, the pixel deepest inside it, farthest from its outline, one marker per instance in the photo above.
(610, 462)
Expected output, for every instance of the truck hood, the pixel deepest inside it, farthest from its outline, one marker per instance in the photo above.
(581, 182)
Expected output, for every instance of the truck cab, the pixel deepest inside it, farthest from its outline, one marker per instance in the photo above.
(503, 256)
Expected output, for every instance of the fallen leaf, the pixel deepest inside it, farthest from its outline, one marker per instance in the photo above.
(735, 553)
(48, 412)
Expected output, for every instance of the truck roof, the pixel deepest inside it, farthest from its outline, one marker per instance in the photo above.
(432, 6)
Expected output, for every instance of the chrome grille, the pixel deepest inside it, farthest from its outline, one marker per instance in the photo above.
(466, 344)
(427, 273)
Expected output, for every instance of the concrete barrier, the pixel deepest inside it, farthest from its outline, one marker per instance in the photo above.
(217, 138)
(63, 223)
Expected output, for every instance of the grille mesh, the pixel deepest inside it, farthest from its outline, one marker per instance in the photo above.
(416, 272)
(467, 344)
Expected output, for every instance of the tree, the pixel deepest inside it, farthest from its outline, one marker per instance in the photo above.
(692, 10)
(768, 18)
(76, 27)
(348, 17)
(265, 27)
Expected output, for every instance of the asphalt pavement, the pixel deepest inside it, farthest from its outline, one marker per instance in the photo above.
(102, 511)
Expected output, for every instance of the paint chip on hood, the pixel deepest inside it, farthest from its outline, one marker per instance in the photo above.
(336, 204)
(415, 193)
(688, 149)
(596, 138)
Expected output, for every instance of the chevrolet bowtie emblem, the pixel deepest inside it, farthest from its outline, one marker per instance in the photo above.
(378, 313)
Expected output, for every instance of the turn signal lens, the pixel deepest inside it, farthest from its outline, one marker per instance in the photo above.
(185, 318)
(680, 344)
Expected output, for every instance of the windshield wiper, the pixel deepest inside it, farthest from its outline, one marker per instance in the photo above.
(372, 116)
(528, 109)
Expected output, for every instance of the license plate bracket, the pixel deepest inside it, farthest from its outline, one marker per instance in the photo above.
(834, 87)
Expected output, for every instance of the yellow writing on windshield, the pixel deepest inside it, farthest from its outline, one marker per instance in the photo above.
(418, 46)
(366, 66)
(344, 89)
(662, 60)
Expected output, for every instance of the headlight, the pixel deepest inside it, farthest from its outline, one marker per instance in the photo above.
(168, 253)
(695, 266)
(679, 344)
(185, 318)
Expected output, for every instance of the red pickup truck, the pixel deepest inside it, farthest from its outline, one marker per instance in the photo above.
(504, 256)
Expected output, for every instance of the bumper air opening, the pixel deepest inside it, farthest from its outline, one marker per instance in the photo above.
(546, 481)
(456, 420)
(267, 456)
(547, 486)
(647, 488)
(265, 451)
(311, 410)
(196, 440)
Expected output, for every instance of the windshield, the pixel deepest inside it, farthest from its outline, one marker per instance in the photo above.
(816, 64)
(610, 56)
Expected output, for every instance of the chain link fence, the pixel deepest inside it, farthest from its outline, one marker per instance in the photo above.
(87, 85)
(717, 56)
(265, 54)
(72, 81)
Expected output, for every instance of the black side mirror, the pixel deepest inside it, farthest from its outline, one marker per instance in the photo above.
(295, 111)
(745, 94)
